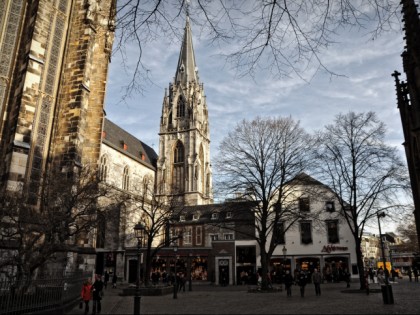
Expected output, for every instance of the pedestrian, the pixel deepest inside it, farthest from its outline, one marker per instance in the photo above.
(316, 280)
(381, 276)
(410, 274)
(288, 282)
(87, 293)
(371, 275)
(97, 288)
(302, 282)
(347, 277)
(106, 278)
(416, 274)
(114, 280)
(181, 283)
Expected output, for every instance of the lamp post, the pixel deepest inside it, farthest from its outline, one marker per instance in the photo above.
(190, 276)
(387, 295)
(175, 282)
(139, 234)
(284, 259)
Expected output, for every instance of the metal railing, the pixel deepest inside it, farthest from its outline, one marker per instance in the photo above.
(40, 295)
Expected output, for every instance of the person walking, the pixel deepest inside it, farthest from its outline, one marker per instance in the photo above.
(87, 294)
(316, 280)
(114, 280)
(416, 274)
(106, 278)
(347, 277)
(302, 282)
(410, 274)
(288, 282)
(97, 288)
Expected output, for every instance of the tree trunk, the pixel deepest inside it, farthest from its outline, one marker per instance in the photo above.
(360, 265)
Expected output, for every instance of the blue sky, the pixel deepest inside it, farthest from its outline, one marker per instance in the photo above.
(366, 84)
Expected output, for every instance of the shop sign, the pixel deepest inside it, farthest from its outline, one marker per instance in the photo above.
(332, 248)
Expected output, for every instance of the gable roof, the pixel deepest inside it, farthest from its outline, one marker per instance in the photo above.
(116, 137)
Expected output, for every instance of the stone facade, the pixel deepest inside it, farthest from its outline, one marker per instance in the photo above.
(52, 87)
(408, 99)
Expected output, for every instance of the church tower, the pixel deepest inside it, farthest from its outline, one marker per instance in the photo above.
(184, 168)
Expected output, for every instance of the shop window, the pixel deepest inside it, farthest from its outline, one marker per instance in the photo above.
(332, 230)
(304, 204)
(246, 254)
(329, 206)
(305, 233)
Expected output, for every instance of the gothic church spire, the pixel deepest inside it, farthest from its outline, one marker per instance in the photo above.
(186, 70)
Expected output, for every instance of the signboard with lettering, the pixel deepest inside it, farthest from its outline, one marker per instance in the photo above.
(332, 248)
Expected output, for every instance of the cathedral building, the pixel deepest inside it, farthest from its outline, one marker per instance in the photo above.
(54, 66)
(408, 100)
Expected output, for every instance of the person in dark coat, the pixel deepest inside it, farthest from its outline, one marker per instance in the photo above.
(288, 282)
(106, 279)
(97, 288)
(302, 280)
(114, 280)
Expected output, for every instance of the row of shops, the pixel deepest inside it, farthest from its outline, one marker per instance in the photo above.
(225, 267)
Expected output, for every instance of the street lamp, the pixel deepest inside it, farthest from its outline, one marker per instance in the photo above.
(190, 282)
(175, 282)
(284, 254)
(139, 234)
(386, 289)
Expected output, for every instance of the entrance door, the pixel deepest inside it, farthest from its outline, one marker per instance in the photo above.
(224, 272)
(132, 271)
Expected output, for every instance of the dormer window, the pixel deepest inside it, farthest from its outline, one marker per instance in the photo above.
(214, 216)
(182, 218)
(196, 217)
(329, 206)
(228, 215)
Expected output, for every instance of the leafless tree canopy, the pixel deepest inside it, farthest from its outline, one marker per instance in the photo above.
(367, 175)
(68, 211)
(408, 234)
(280, 37)
(258, 160)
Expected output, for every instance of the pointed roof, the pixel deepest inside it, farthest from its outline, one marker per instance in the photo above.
(186, 70)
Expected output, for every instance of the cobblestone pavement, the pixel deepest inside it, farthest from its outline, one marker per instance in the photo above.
(210, 299)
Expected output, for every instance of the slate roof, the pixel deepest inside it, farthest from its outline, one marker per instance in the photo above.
(241, 210)
(116, 137)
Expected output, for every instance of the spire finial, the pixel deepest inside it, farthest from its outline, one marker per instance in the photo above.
(188, 9)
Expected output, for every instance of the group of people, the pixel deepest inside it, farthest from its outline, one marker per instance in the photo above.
(94, 292)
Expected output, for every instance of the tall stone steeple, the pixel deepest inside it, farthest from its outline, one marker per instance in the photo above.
(184, 169)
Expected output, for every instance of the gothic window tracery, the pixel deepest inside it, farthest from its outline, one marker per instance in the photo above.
(103, 171)
(178, 168)
(180, 110)
(126, 178)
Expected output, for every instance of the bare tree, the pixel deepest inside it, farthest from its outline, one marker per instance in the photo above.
(366, 175)
(37, 236)
(260, 159)
(408, 234)
(279, 37)
(156, 212)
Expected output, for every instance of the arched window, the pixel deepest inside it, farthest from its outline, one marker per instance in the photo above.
(126, 179)
(178, 169)
(103, 168)
(180, 110)
(179, 153)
